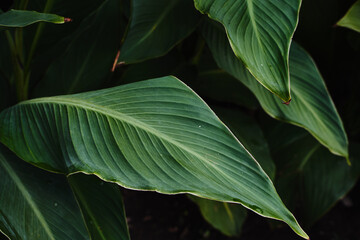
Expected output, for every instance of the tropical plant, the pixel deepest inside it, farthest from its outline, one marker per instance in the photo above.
(95, 103)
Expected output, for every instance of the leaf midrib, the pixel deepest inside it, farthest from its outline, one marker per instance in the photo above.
(67, 101)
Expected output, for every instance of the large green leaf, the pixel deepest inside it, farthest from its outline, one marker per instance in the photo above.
(23, 18)
(36, 204)
(260, 34)
(226, 217)
(156, 26)
(152, 135)
(85, 64)
(311, 108)
(102, 206)
(352, 18)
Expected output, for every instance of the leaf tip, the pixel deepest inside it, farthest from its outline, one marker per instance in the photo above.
(67, 20)
(348, 161)
(288, 102)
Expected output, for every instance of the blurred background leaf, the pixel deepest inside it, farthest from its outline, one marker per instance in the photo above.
(157, 26)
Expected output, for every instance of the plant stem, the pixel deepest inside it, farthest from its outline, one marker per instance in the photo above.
(21, 93)
(35, 41)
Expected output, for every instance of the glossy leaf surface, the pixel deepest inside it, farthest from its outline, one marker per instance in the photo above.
(250, 135)
(36, 204)
(352, 18)
(260, 34)
(23, 18)
(311, 108)
(102, 206)
(226, 217)
(156, 26)
(152, 135)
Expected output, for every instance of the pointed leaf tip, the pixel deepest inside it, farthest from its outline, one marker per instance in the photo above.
(288, 102)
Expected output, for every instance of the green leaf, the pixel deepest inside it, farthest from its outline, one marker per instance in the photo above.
(311, 177)
(226, 217)
(102, 206)
(156, 27)
(352, 18)
(260, 34)
(311, 108)
(250, 135)
(23, 18)
(36, 204)
(88, 59)
(153, 135)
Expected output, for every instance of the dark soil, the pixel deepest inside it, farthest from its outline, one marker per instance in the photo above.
(174, 217)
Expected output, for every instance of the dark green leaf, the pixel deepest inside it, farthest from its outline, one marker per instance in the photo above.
(36, 204)
(102, 206)
(311, 176)
(151, 135)
(260, 34)
(311, 108)
(226, 217)
(157, 26)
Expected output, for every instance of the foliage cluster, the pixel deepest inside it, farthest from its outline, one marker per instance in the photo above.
(91, 101)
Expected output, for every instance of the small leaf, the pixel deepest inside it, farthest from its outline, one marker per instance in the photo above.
(260, 34)
(312, 107)
(352, 18)
(157, 26)
(102, 206)
(153, 135)
(23, 18)
(226, 217)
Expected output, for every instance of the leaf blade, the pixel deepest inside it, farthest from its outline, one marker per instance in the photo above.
(260, 34)
(39, 204)
(308, 88)
(153, 135)
(102, 207)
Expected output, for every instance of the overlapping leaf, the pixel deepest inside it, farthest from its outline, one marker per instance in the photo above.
(102, 206)
(312, 107)
(23, 18)
(226, 217)
(151, 135)
(35, 204)
(39, 205)
(156, 26)
(260, 33)
(311, 177)
(352, 18)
